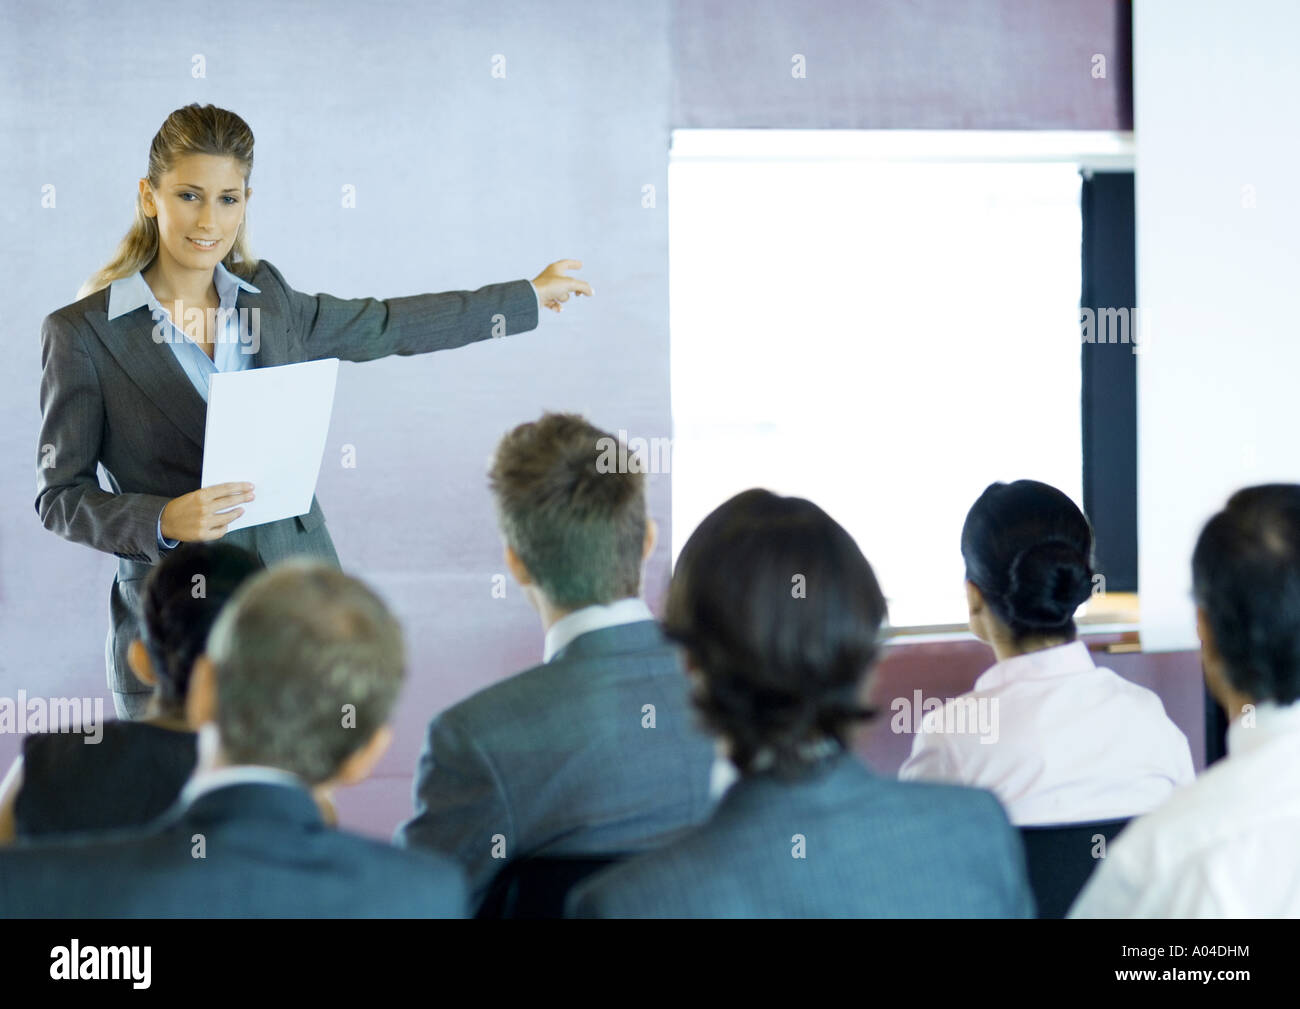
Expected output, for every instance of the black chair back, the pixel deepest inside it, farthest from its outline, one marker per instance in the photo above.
(537, 887)
(1060, 858)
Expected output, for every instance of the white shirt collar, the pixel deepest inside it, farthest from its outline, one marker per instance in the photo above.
(1059, 660)
(202, 782)
(593, 618)
(207, 778)
(126, 294)
(722, 775)
(1268, 721)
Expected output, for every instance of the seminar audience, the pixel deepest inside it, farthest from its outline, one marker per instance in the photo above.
(295, 691)
(593, 752)
(1056, 737)
(780, 616)
(725, 784)
(64, 783)
(1225, 846)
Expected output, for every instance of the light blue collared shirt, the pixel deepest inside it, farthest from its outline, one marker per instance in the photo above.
(129, 293)
(230, 354)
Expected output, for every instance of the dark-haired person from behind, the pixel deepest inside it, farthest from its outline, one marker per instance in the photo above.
(1225, 846)
(1056, 737)
(593, 752)
(63, 783)
(780, 618)
(293, 694)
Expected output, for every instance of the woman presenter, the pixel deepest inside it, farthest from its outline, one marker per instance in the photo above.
(125, 369)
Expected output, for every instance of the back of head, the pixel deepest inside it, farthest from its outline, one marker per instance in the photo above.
(180, 601)
(1246, 579)
(781, 615)
(1028, 549)
(576, 522)
(309, 663)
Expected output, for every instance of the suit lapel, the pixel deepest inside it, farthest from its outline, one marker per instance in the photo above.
(272, 327)
(153, 367)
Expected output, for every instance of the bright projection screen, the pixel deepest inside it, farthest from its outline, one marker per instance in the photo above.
(884, 337)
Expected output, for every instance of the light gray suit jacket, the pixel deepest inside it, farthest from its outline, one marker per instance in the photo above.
(871, 847)
(557, 760)
(111, 395)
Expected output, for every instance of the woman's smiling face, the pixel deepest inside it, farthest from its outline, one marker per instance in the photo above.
(200, 201)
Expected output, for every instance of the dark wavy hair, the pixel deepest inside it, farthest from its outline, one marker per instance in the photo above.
(1028, 549)
(1246, 578)
(180, 601)
(782, 616)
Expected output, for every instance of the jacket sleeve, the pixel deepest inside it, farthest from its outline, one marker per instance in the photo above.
(364, 329)
(460, 807)
(69, 499)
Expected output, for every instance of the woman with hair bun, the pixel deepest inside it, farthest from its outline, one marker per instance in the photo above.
(1057, 738)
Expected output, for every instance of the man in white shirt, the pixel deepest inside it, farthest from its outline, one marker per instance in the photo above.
(1226, 846)
(595, 752)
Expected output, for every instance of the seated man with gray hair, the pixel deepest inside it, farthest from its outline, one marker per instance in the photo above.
(292, 698)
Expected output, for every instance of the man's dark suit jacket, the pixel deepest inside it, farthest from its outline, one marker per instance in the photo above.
(871, 847)
(266, 854)
(111, 395)
(559, 759)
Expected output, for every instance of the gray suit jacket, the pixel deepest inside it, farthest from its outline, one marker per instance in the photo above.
(110, 395)
(872, 847)
(556, 761)
(266, 854)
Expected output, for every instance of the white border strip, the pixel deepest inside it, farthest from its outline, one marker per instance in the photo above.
(1097, 149)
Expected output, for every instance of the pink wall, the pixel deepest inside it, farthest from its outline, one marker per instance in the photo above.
(893, 65)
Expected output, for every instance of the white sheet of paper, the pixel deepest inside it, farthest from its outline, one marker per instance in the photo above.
(267, 426)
